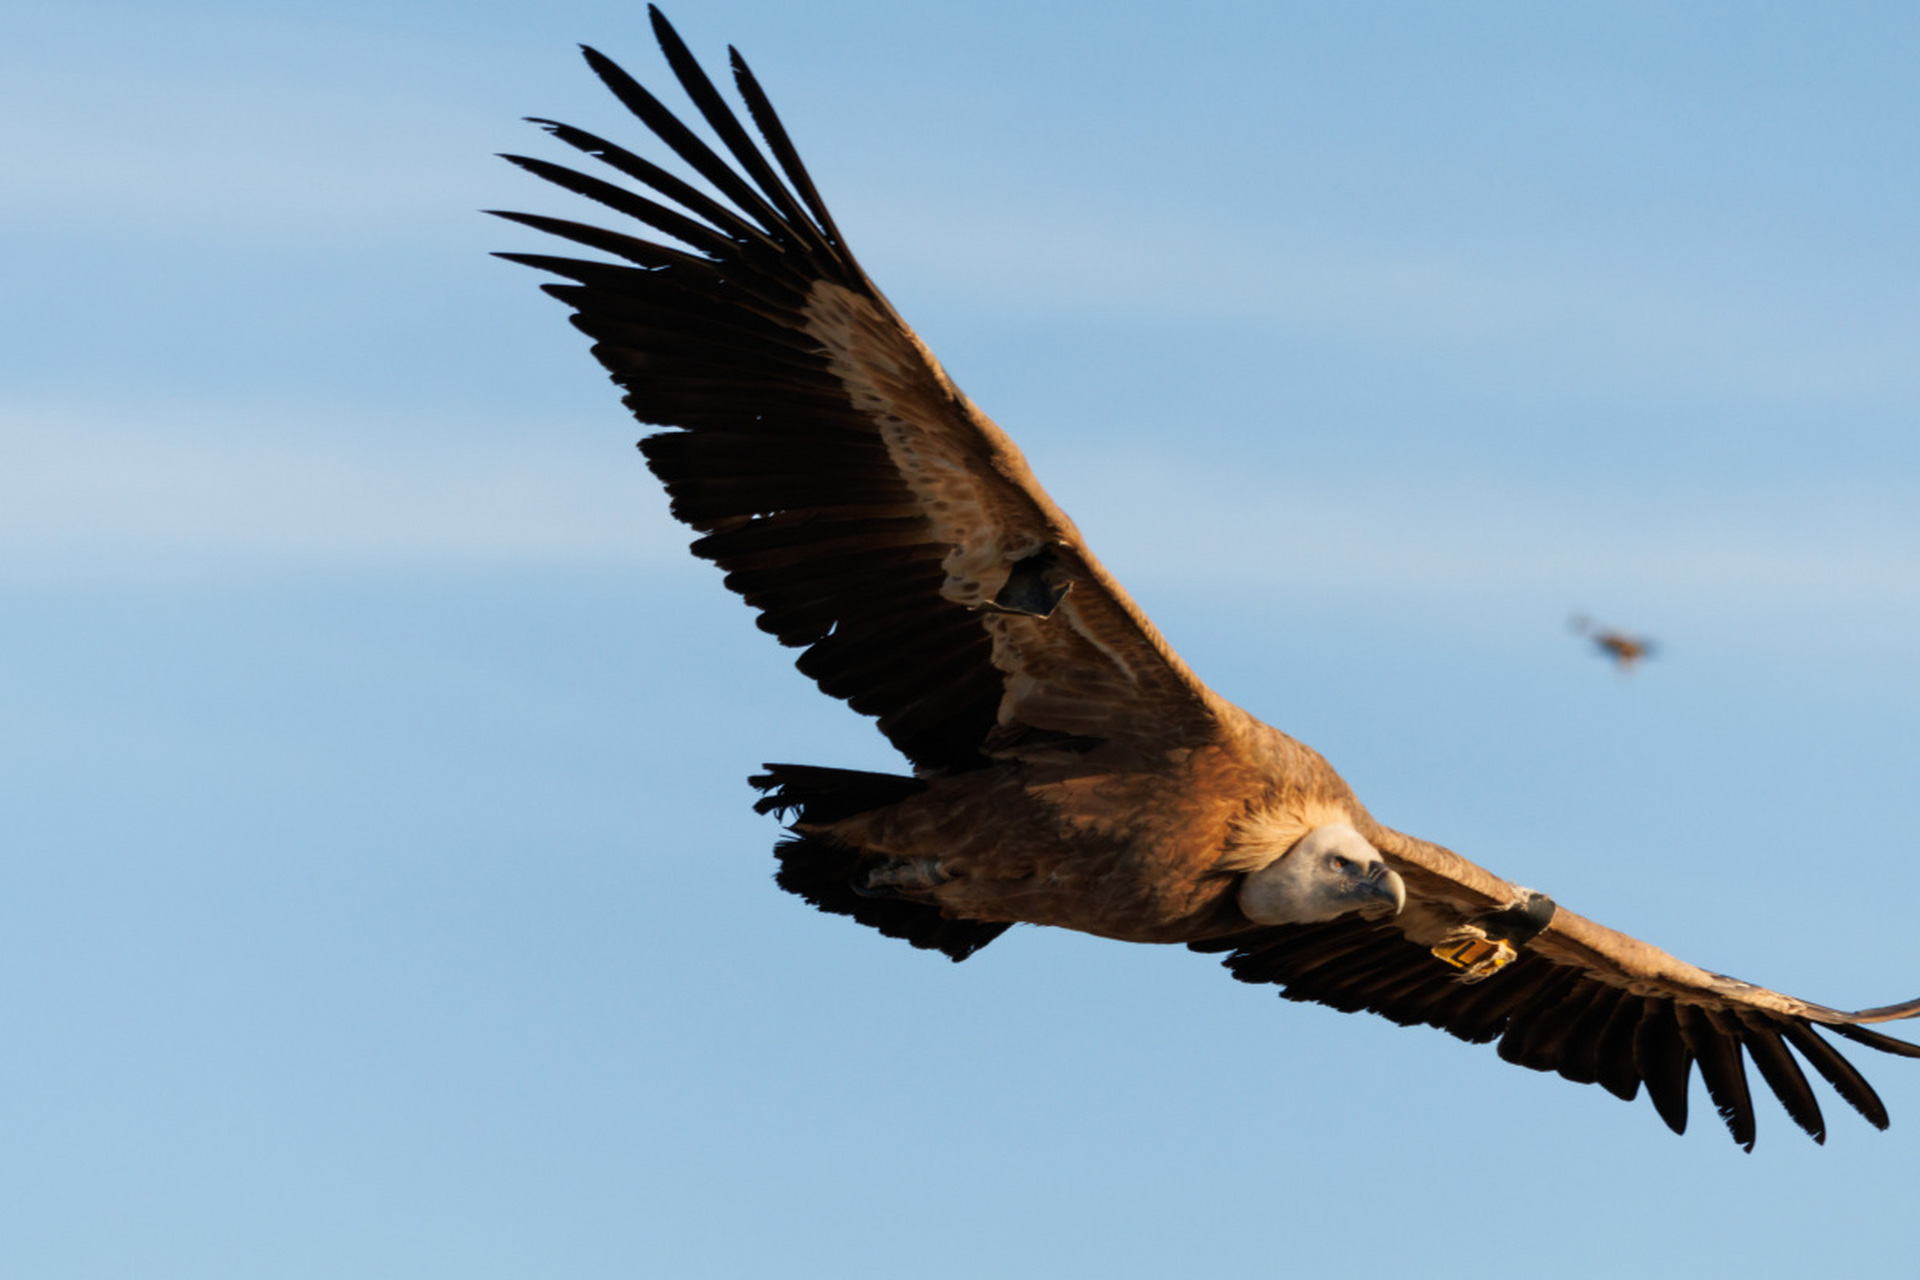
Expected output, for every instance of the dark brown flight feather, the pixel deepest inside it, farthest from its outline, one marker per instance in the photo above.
(1069, 768)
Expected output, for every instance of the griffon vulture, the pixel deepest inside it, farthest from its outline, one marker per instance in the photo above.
(1068, 768)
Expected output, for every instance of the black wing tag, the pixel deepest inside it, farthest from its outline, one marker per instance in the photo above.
(1034, 585)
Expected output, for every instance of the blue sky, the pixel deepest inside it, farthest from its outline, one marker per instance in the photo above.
(378, 889)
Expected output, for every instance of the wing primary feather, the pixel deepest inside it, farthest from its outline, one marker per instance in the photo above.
(1841, 1074)
(1716, 1048)
(592, 275)
(674, 188)
(696, 287)
(1662, 1058)
(684, 142)
(1874, 1039)
(641, 252)
(688, 231)
(767, 121)
(1783, 1075)
(626, 202)
(714, 108)
(1885, 1013)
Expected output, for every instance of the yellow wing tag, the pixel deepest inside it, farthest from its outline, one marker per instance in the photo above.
(1476, 958)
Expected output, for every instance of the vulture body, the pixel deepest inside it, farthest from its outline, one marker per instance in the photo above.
(1068, 768)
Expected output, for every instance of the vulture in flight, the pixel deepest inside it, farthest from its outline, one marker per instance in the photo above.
(1068, 768)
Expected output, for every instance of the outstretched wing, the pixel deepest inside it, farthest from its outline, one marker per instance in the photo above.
(854, 496)
(1592, 1004)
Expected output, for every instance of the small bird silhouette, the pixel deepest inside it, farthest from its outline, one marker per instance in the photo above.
(1625, 650)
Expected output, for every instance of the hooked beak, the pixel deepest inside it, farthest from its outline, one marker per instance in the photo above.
(1385, 885)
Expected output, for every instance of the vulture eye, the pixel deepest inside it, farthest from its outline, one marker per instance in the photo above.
(1338, 863)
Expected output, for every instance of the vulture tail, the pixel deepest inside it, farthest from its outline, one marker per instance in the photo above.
(825, 872)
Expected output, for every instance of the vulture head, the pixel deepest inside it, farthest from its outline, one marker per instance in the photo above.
(1328, 872)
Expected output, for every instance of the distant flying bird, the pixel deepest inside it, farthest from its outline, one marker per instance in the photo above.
(1068, 768)
(1626, 650)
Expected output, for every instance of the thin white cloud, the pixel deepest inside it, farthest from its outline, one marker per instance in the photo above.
(1575, 317)
(1465, 542)
(202, 123)
(86, 497)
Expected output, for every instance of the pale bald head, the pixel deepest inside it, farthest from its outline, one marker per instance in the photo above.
(1329, 872)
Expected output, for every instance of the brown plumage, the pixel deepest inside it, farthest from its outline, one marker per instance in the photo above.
(1068, 768)
(1626, 651)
